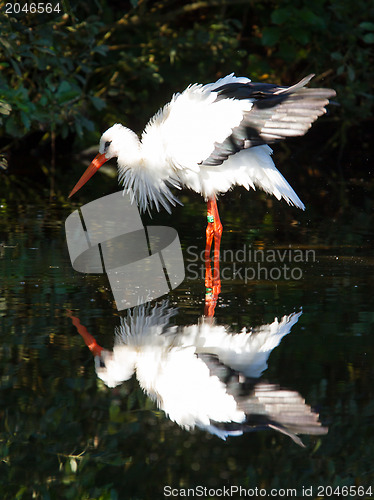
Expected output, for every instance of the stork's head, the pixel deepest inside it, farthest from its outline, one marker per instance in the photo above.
(115, 142)
(113, 367)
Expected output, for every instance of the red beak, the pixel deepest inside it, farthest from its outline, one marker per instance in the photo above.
(96, 163)
(87, 337)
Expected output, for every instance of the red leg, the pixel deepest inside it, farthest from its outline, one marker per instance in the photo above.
(209, 229)
(212, 283)
(217, 230)
(213, 229)
(210, 298)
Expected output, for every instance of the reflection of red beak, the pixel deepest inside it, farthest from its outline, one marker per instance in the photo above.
(96, 163)
(87, 337)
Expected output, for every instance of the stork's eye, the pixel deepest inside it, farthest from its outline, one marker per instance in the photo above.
(101, 363)
(107, 144)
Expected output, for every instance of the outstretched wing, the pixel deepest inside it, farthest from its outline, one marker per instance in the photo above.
(206, 124)
(277, 113)
(282, 410)
(185, 131)
(266, 406)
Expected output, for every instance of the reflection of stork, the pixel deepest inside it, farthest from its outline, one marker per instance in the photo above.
(202, 375)
(210, 138)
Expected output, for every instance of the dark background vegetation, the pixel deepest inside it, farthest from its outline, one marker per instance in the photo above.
(66, 77)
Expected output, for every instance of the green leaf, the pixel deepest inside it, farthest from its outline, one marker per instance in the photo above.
(43, 100)
(98, 103)
(86, 123)
(366, 25)
(64, 130)
(64, 87)
(270, 36)
(101, 49)
(312, 19)
(351, 73)
(45, 50)
(50, 83)
(337, 56)
(25, 120)
(12, 127)
(16, 68)
(287, 51)
(78, 129)
(20, 493)
(114, 413)
(4, 42)
(66, 92)
(368, 38)
(279, 16)
(5, 108)
(301, 36)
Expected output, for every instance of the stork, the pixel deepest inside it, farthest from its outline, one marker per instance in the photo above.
(203, 375)
(210, 138)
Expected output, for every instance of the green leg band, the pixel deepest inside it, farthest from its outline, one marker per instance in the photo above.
(210, 218)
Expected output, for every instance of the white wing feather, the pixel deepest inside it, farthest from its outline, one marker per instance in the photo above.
(185, 131)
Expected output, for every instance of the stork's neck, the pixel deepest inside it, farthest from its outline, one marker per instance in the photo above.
(144, 172)
(129, 155)
(148, 370)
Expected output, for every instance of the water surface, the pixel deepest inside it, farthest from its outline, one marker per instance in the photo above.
(64, 434)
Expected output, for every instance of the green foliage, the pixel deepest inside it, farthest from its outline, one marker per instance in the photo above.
(334, 39)
(294, 28)
(93, 63)
(45, 69)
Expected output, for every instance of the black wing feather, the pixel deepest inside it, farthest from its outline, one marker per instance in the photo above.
(266, 405)
(277, 113)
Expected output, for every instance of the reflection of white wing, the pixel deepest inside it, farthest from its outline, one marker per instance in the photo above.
(282, 410)
(198, 374)
(266, 406)
(247, 351)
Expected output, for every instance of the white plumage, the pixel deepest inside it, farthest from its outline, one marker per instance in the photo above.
(210, 138)
(196, 373)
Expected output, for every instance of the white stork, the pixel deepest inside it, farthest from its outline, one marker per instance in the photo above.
(210, 138)
(204, 376)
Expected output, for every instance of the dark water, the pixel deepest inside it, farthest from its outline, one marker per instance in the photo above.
(64, 434)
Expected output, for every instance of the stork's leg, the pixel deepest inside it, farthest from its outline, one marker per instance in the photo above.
(217, 231)
(209, 229)
(213, 229)
(212, 289)
(212, 282)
